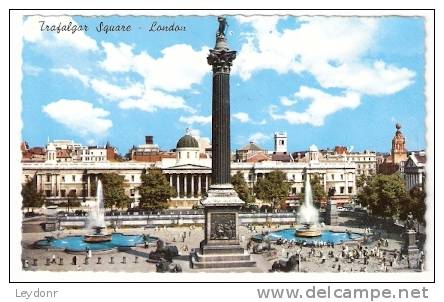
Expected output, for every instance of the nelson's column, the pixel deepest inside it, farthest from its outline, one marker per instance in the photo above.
(221, 247)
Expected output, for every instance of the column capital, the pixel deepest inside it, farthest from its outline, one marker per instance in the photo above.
(221, 60)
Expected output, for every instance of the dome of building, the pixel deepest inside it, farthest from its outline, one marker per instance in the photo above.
(187, 141)
(313, 148)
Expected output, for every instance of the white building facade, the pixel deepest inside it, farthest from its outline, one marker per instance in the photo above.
(188, 175)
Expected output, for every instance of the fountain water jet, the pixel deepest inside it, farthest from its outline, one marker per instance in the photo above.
(96, 219)
(308, 213)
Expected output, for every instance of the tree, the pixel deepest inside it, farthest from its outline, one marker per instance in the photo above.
(31, 198)
(114, 191)
(155, 191)
(384, 195)
(317, 191)
(362, 180)
(242, 189)
(274, 188)
(415, 203)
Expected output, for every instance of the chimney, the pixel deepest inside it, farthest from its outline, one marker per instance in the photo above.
(149, 140)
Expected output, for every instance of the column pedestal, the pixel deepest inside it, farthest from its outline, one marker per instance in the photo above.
(221, 247)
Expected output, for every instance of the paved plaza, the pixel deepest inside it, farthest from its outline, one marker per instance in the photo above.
(316, 259)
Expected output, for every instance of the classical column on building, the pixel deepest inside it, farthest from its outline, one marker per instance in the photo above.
(170, 177)
(88, 185)
(53, 185)
(58, 185)
(199, 185)
(38, 179)
(192, 185)
(222, 204)
(178, 185)
(207, 181)
(185, 185)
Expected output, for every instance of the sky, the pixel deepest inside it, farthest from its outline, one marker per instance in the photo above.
(324, 80)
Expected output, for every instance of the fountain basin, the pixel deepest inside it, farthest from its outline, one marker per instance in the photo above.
(78, 243)
(324, 236)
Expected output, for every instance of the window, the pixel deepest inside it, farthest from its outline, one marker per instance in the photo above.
(333, 177)
(63, 178)
(342, 176)
(188, 154)
(132, 192)
(132, 177)
(73, 178)
(302, 190)
(48, 178)
(293, 190)
(62, 193)
(341, 190)
(294, 176)
(350, 190)
(48, 193)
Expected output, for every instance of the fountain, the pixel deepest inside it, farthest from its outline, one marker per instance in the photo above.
(97, 240)
(309, 214)
(310, 233)
(96, 219)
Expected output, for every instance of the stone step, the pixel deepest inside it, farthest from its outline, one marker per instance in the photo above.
(222, 249)
(224, 264)
(225, 257)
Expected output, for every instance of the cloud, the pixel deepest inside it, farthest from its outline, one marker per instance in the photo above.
(334, 50)
(242, 117)
(79, 116)
(178, 67)
(151, 100)
(115, 92)
(321, 105)
(195, 119)
(162, 77)
(32, 70)
(259, 137)
(287, 102)
(49, 39)
(72, 72)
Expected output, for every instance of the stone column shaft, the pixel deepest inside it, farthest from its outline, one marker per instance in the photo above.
(88, 185)
(192, 185)
(185, 185)
(178, 185)
(199, 184)
(221, 128)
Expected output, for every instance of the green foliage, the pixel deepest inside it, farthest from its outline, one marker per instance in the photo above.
(242, 189)
(31, 198)
(274, 188)
(415, 203)
(362, 180)
(114, 191)
(384, 195)
(155, 191)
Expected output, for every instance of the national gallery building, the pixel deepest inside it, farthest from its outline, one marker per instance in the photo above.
(189, 173)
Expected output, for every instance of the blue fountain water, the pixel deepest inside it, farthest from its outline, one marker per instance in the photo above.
(76, 243)
(326, 236)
